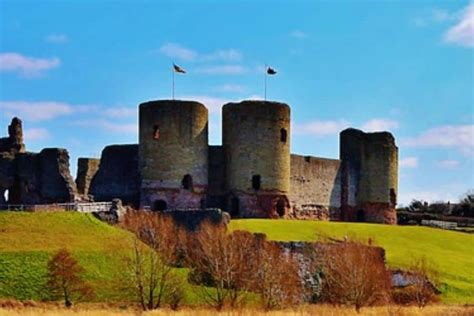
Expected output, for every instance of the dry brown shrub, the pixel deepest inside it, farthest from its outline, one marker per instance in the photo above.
(353, 274)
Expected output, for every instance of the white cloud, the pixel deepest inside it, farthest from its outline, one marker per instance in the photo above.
(57, 38)
(179, 52)
(229, 55)
(26, 66)
(409, 162)
(463, 32)
(404, 198)
(36, 134)
(379, 124)
(36, 111)
(109, 126)
(448, 164)
(213, 104)
(459, 137)
(321, 128)
(231, 88)
(222, 70)
(298, 34)
(120, 112)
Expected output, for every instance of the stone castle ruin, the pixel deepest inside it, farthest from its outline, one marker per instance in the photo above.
(252, 174)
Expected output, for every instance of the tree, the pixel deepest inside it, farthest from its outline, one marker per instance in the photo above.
(353, 274)
(65, 278)
(149, 277)
(276, 277)
(150, 267)
(220, 260)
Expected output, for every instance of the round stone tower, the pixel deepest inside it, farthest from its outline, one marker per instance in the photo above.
(256, 140)
(173, 154)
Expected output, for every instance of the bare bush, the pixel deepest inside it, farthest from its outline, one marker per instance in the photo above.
(353, 274)
(420, 290)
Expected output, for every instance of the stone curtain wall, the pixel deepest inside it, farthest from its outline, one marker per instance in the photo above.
(315, 188)
(117, 176)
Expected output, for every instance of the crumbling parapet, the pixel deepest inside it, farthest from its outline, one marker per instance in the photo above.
(256, 141)
(86, 170)
(369, 176)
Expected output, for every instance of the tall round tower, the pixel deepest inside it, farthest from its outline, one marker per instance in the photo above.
(173, 154)
(256, 140)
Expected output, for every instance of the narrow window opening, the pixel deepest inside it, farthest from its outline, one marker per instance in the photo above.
(283, 135)
(160, 206)
(256, 179)
(156, 132)
(187, 182)
(6, 196)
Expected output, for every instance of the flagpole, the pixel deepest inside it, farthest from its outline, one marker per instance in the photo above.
(172, 70)
(265, 82)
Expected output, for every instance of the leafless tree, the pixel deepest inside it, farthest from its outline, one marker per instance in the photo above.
(354, 273)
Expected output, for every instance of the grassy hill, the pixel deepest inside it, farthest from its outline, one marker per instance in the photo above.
(451, 253)
(28, 240)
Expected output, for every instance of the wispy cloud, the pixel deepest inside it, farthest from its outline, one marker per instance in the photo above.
(321, 128)
(460, 137)
(228, 55)
(36, 134)
(179, 52)
(109, 126)
(213, 104)
(120, 112)
(298, 34)
(448, 164)
(57, 38)
(409, 162)
(25, 66)
(462, 33)
(36, 111)
(222, 70)
(380, 124)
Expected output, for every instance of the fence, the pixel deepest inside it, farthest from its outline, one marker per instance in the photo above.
(74, 207)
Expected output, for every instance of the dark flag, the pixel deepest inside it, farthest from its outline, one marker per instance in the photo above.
(271, 71)
(178, 69)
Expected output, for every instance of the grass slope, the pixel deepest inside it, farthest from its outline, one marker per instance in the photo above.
(28, 240)
(451, 253)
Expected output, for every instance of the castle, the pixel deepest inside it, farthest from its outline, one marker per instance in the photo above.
(252, 174)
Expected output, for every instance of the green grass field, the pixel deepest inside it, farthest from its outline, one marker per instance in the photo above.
(27, 241)
(450, 253)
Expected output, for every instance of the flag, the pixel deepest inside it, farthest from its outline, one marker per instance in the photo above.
(178, 69)
(271, 71)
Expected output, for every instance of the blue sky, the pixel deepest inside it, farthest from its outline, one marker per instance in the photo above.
(76, 71)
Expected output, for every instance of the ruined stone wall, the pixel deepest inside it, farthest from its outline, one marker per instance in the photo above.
(86, 169)
(173, 154)
(117, 176)
(256, 140)
(14, 142)
(42, 178)
(369, 176)
(315, 188)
